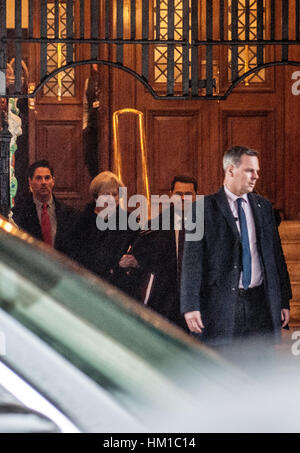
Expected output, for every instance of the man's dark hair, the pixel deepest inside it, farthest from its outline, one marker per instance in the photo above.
(185, 179)
(233, 155)
(38, 164)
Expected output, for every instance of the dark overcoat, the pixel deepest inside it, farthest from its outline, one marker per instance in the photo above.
(25, 216)
(212, 266)
(156, 253)
(100, 251)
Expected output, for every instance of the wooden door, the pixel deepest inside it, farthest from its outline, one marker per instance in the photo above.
(56, 117)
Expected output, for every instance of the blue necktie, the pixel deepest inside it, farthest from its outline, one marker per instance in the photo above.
(246, 254)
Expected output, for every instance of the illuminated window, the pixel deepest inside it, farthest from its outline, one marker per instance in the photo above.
(161, 52)
(247, 54)
(63, 84)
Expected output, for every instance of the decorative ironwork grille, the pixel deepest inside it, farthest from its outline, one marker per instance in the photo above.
(247, 30)
(161, 14)
(63, 83)
(190, 39)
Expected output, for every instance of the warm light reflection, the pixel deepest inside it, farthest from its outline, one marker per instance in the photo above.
(59, 58)
(13, 230)
(31, 101)
(143, 147)
(8, 227)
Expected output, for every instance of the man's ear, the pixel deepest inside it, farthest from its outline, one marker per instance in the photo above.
(29, 183)
(230, 170)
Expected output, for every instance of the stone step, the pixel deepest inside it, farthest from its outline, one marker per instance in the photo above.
(296, 290)
(290, 230)
(294, 270)
(290, 238)
(291, 250)
(295, 313)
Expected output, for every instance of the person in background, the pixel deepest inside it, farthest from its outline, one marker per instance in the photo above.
(40, 213)
(160, 254)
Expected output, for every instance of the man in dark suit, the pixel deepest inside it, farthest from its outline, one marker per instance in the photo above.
(40, 213)
(235, 283)
(160, 253)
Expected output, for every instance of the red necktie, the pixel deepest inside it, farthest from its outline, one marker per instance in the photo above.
(46, 225)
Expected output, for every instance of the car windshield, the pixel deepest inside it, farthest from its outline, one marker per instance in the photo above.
(117, 342)
(128, 353)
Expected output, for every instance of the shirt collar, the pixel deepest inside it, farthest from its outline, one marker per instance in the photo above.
(178, 220)
(39, 203)
(232, 197)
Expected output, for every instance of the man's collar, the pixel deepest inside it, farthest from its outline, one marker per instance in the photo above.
(178, 220)
(40, 203)
(231, 196)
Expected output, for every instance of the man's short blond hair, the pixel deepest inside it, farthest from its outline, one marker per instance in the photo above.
(105, 182)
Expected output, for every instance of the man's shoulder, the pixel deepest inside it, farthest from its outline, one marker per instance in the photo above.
(24, 200)
(219, 193)
(210, 197)
(260, 200)
(25, 214)
(213, 198)
(24, 205)
(220, 196)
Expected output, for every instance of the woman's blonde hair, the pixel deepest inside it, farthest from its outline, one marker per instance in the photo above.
(105, 182)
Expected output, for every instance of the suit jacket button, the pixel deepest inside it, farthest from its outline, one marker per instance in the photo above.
(233, 289)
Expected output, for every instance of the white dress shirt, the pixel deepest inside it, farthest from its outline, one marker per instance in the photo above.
(256, 269)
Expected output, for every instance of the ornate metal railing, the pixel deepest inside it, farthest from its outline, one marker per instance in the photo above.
(186, 49)
(210, 31)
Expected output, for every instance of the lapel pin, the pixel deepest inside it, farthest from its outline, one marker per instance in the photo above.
(258, 205)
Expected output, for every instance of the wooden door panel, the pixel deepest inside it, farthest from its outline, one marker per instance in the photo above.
(58, 141)
(173, 144)
(256, 130)
(55, 124)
